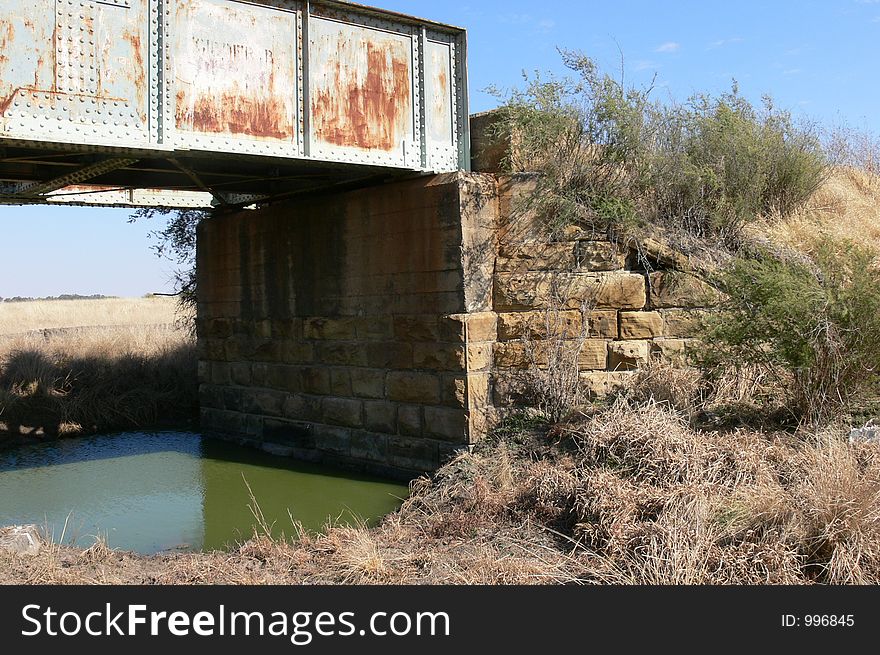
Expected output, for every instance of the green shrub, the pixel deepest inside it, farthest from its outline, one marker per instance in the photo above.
(611, 156)
(814, 323)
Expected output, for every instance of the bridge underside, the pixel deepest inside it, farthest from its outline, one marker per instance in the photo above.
(130, 178)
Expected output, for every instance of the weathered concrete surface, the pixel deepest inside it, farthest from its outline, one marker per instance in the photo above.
(355, 328)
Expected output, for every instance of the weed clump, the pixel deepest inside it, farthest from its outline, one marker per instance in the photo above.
(612, 157)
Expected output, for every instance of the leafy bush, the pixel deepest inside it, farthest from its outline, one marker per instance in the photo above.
(813, 322)
(610, 155)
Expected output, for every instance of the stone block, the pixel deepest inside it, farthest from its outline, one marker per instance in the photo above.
(336, 441)
(254, 425)
(223, 421)
(218, 328)
(381, 416)
(601, 384)
(537, 291)
(417, 328)
(241, 373)
(220, 373)
(297, 352)
(676, 289)
(409, 420)
(211, 396)
(285, 378)
(374, 328)
(675, 351)
(591, 354)
(316, 380)
(367, 383)
(640, 325)
(346, 412)
(479, 357)
(266, 351)
(598, 256)
(567, 324)
(481, 326)
(446, 424)
(263, 329)
(468, 328)
(536, 256)
(369, 446)
(336, 353)
(602, 324)
(232, 397)
(683, 323)
(389, 355)
(333, 329)
(410, 387)
(300, 407)
(340, 382)
(438, 357)
(203, 371)
(466, 391)
(289, 329)
(511, 389)
(413, 454)
(263, 402)
(628, 355)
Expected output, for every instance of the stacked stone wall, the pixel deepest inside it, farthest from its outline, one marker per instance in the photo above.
(621, 306)
(340, 329)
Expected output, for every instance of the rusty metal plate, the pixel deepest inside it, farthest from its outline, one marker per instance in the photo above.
(440, 109)
(361, 91)
(74, 70)
(235, 76)
(274, 84)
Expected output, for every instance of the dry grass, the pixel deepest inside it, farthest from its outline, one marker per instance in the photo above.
(75, 367)
(631, 494)
(846, 207)
(17, 318)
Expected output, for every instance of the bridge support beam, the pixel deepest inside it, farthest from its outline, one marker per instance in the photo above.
(353, 328)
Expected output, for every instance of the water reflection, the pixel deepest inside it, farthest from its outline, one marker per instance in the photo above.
(154, 492)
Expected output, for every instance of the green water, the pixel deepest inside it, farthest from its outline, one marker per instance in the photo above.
(152, 492)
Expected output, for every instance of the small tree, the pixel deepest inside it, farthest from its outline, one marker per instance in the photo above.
(813, 322)
(177, 242)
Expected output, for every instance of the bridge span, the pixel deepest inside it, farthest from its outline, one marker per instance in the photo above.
(199, 103)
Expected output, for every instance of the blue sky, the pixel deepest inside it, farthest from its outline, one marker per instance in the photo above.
(818, 59)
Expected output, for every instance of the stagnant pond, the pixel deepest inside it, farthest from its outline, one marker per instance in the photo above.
(152, 492)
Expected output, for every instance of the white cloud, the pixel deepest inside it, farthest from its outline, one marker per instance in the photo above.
(515, 19)
(644, 64)
(546, 25)
(792, 71)
(669, 46)
(720, 43)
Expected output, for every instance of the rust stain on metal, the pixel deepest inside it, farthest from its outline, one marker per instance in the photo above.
(7, 101)
(7, 37)
(140, 73)
(234, 114)
(238, 73)
(371, 114)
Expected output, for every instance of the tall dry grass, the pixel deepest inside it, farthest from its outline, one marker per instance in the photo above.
(631, 494)
(81, 366)
(17, 318)
(845, 208)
